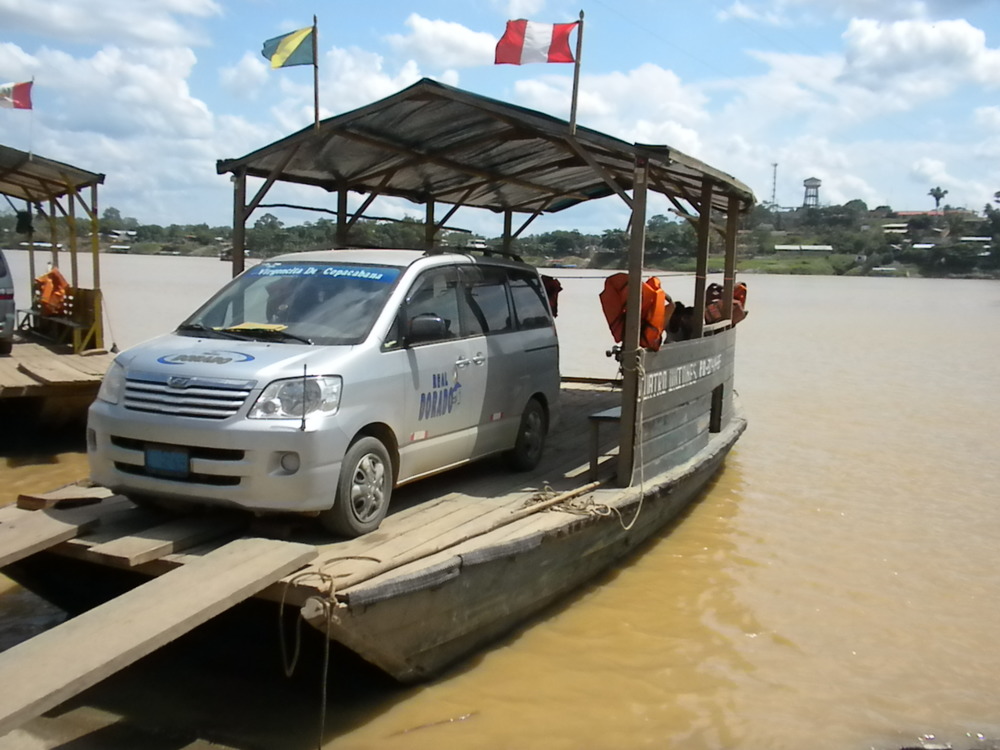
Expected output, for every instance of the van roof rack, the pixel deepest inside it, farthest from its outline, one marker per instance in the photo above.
(486, 252)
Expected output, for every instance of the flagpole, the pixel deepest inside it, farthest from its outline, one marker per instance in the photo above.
(576, 76)
(315, 42)
(31, 122)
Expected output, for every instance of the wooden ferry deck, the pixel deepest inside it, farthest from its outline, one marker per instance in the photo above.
(36, 369)
(426, 517)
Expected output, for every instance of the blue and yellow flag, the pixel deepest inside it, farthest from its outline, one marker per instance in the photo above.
(295, 48)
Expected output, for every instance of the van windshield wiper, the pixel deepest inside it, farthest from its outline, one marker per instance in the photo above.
(205, 330)
(266, 331)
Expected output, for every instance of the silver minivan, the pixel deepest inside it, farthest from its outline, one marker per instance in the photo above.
(317, 382)
(6, 307)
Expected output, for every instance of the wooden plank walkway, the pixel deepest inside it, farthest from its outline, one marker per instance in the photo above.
(41, 673)
(32, 531)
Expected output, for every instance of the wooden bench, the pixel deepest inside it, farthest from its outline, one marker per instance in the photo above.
(613, 416)
(56, 328)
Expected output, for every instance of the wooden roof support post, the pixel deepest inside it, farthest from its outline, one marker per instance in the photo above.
(71, 237)
(342, 227)
(239, 220)
(631, 352)
(429, 229)
(95, 254)
(53, 232)
(729, 275)
(701, 265)
(508, 225)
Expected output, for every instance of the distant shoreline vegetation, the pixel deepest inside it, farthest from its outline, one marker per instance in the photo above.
(847, 240)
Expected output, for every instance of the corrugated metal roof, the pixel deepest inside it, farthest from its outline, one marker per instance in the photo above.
(435, 142)
(34, 178)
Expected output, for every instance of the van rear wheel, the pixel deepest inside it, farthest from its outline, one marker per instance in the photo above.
(363, 490)
(530, 442)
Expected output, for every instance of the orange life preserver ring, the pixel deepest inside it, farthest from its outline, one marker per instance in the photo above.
(52, 291)
(656, 309)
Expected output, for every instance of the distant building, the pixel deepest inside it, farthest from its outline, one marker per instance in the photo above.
(804, 248)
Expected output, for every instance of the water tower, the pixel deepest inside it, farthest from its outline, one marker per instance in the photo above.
(812, 192)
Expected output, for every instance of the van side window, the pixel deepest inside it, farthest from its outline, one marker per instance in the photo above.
(529, 300)
(436, 293)
(487, 305)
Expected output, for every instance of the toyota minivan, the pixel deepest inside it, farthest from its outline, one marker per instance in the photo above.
(317, 382)
(6, 307)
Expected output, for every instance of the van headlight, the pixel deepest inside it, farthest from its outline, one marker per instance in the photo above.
(295, 398)
(113, 384)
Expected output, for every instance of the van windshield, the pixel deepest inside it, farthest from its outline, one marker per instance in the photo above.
(316, 303)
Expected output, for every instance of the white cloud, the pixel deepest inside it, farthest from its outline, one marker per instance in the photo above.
(785, 12)
(931, 170)
(988, 118)
(918, 58)
(740, 11)
(443, 44)
(157, 22)
(619, 104)
(246, 78)
(520, 8)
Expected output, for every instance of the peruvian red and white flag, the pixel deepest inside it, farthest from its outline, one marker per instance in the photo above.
(15, 95)
(530, 42)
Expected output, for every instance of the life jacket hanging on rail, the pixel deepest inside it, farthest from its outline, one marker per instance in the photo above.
(655, 310)
(52, 289)
(552, 289)
(713, 303)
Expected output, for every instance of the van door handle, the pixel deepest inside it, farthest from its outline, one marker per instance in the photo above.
(478, 359)
(462, 362)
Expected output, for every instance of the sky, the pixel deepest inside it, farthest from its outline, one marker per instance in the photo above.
(882, 100)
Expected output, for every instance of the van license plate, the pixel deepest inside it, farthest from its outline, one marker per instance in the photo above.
(168, 462)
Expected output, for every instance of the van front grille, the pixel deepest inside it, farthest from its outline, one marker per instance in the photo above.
(199, 398)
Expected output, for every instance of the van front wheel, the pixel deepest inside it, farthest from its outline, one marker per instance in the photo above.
(363, 490)
(527, 450)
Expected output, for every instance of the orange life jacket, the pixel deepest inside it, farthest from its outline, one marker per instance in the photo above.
(655, 309)
(52, 290)
(713, 303)
(552, 289)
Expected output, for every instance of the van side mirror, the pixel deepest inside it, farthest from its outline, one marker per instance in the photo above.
(426, 327)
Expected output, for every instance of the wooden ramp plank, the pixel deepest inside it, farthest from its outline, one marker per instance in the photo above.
(41, 529)
(173, 536)
(41, 673)
(67, 495)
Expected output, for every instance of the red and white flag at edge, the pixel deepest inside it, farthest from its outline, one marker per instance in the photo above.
(15, 95)
(530, 42)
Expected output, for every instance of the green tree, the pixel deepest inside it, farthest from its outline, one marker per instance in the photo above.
(938, 195)
(111, 218)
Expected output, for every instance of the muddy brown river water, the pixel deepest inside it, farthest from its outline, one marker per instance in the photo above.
(835, 588)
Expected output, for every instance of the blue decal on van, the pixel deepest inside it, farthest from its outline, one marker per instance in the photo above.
(215, 357)
(295, 270)
(442, 399)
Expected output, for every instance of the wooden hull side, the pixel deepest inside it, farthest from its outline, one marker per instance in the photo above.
(680, 386)
(415, 628)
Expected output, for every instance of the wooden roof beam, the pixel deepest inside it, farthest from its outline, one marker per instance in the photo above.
(590, 161)
(446, 163)
(269, 181)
